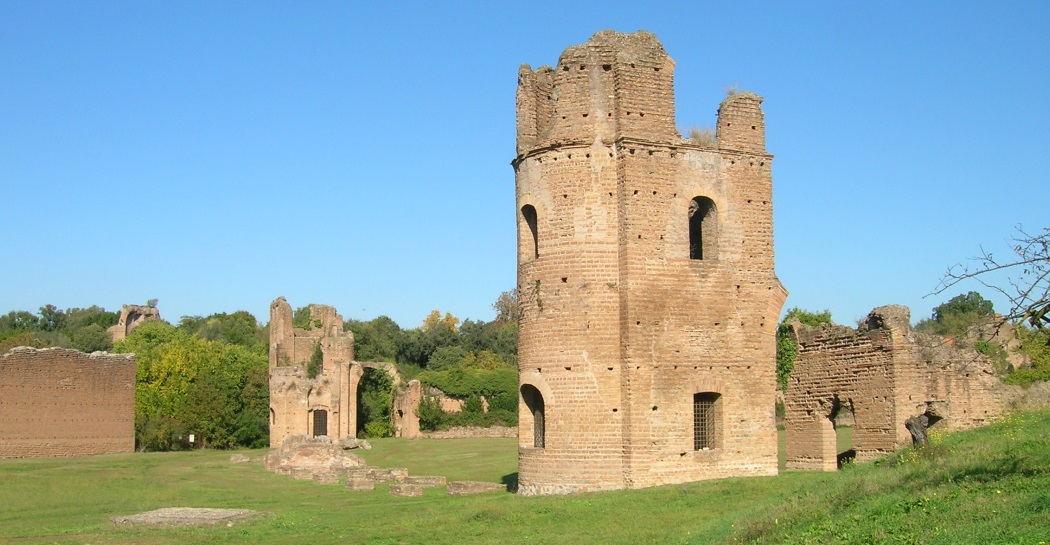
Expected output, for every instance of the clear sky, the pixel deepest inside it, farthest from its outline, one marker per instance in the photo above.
(216, 155)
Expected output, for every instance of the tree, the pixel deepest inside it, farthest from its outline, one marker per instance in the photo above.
(971, 303)
(506, 307)
(186, 384)
(812, 319)
(447, 356)
(77, 318)
(375, 399)
(301, 318)
(1027, 285)
(375, 340)
(238, 328)
(92, 338)
(17, 321)
(958, 315)
(434, 320)
(51, 318)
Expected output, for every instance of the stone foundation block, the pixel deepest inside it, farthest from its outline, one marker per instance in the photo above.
(388, 475)
(360, 483)
(462, 488)
(327, 477)
(425, 480)
(408, 490)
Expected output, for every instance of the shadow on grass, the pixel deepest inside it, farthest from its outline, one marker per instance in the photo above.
(511, 482)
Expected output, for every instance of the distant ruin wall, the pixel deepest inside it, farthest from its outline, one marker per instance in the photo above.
(878, 376)
(132, 316)
(59, 402)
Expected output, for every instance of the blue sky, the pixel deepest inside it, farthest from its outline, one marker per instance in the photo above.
(217, 155)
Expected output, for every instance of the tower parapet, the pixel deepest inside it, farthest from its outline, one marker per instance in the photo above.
(741, 124)
(614, 86)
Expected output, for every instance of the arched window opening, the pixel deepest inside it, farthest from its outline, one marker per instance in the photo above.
(703, 229)
(706, 418)
(842, 420)
(528, 213)
(320, 422)
(534, 401)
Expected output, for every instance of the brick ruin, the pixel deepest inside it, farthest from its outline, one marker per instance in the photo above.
(59, 402)
(300, 405)
(874, 378)
(132, 316)
(645, 276)
(326, 405)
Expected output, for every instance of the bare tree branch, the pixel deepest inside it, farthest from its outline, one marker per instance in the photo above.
(1028, 287)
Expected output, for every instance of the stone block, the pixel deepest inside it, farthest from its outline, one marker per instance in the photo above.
(463, 488)
(360, 483)
(407, 490)
(326, 477)
(388, 474)
(425, 480)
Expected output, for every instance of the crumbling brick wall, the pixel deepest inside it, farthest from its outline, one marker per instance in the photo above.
(325, 404)
(645, 275)
(881, 374)
(132, 316)
(59, 402)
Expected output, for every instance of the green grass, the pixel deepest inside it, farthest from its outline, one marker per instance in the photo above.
(492, 459)
(984, 486)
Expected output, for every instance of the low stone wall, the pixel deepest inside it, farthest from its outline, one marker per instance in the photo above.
(465, 432)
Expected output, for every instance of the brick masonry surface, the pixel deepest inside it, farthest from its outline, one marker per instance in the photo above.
(645, 276)
(298, 403)
(59, 402)
(878, 376)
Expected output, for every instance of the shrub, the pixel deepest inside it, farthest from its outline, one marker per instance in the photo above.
(702, 137)
(316, 364)
(430, 415)
(378, 428)
(473, 405)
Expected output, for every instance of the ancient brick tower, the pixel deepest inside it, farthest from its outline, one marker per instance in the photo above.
(645, 274)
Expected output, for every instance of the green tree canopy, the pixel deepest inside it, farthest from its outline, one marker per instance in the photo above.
(958, 315)
(187, 384)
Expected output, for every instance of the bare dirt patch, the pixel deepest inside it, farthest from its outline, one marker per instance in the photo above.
(187, 516)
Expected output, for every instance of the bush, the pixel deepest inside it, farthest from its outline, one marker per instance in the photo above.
(473, 405)
(375, 400)
(430, 415)
(461, 382)
(316, 364)
(1034, 345)
(378, 428)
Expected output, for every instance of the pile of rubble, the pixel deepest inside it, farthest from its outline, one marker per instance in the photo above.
(324, 462)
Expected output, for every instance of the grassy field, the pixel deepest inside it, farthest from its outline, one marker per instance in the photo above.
(985, 486)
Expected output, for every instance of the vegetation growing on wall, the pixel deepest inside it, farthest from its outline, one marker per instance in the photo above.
(1035, 345)
(316, 363)
(787, 350)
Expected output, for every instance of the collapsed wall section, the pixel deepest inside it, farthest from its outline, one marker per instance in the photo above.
(878, 376)
(59, 402)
